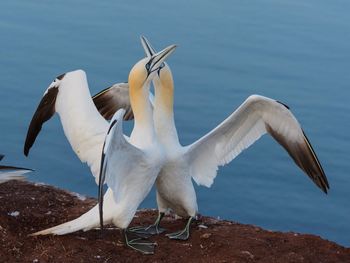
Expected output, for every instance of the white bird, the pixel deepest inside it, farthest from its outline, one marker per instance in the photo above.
(130, 166)
(257, 116)
(8, 173)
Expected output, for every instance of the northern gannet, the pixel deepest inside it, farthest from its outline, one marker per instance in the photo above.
(86, 131)
(8, 173)
(255, 117)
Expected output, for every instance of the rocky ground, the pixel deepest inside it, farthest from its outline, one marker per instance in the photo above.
(26, 208)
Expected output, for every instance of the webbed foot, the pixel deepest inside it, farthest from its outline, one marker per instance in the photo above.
(137, 243)
(183, 234)
(154, 229)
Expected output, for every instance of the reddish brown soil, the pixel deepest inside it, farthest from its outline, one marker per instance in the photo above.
(41, 206)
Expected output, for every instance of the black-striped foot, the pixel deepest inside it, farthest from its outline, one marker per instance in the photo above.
(137, 235)
(138, 243)
(154, 229)
(183, 234)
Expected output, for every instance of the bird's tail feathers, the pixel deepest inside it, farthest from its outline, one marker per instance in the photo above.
(85, 222)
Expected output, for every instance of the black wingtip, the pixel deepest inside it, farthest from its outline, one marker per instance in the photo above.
(304, 157)
(26, 151)
(324, 188)
(324, 177)
(322, 180)
(44, 111)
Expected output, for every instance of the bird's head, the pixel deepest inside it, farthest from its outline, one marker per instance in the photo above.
(146, 69)
(164, 75)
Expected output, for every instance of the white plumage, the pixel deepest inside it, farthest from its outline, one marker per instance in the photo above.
(83, 125)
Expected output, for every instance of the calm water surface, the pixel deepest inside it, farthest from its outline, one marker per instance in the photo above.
(297, 52)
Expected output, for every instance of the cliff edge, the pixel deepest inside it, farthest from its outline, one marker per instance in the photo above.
(26, 208)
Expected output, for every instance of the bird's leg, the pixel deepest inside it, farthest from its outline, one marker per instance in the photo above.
(153, 229)
(137, 243)
(183, 234)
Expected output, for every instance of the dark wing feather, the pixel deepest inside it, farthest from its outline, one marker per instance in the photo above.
(109, 100)
(43, 113)
(305, 157)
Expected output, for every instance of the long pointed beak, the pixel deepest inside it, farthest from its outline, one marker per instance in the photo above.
(149, 50)
(158, 58)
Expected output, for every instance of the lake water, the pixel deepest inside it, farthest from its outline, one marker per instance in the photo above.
(295, 51)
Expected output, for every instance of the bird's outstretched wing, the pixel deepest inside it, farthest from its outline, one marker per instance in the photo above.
(84, 127)
(255, 117)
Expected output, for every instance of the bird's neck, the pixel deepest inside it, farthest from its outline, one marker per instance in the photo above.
(164, 114)
(143, 133)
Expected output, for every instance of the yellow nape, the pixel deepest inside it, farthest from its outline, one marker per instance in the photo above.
(138, 94)
(138, 75)
(165, 90)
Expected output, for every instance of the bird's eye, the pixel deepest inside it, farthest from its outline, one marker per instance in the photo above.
(147, 66)
(160, 67)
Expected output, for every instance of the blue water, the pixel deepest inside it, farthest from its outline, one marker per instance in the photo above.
(296, 51)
